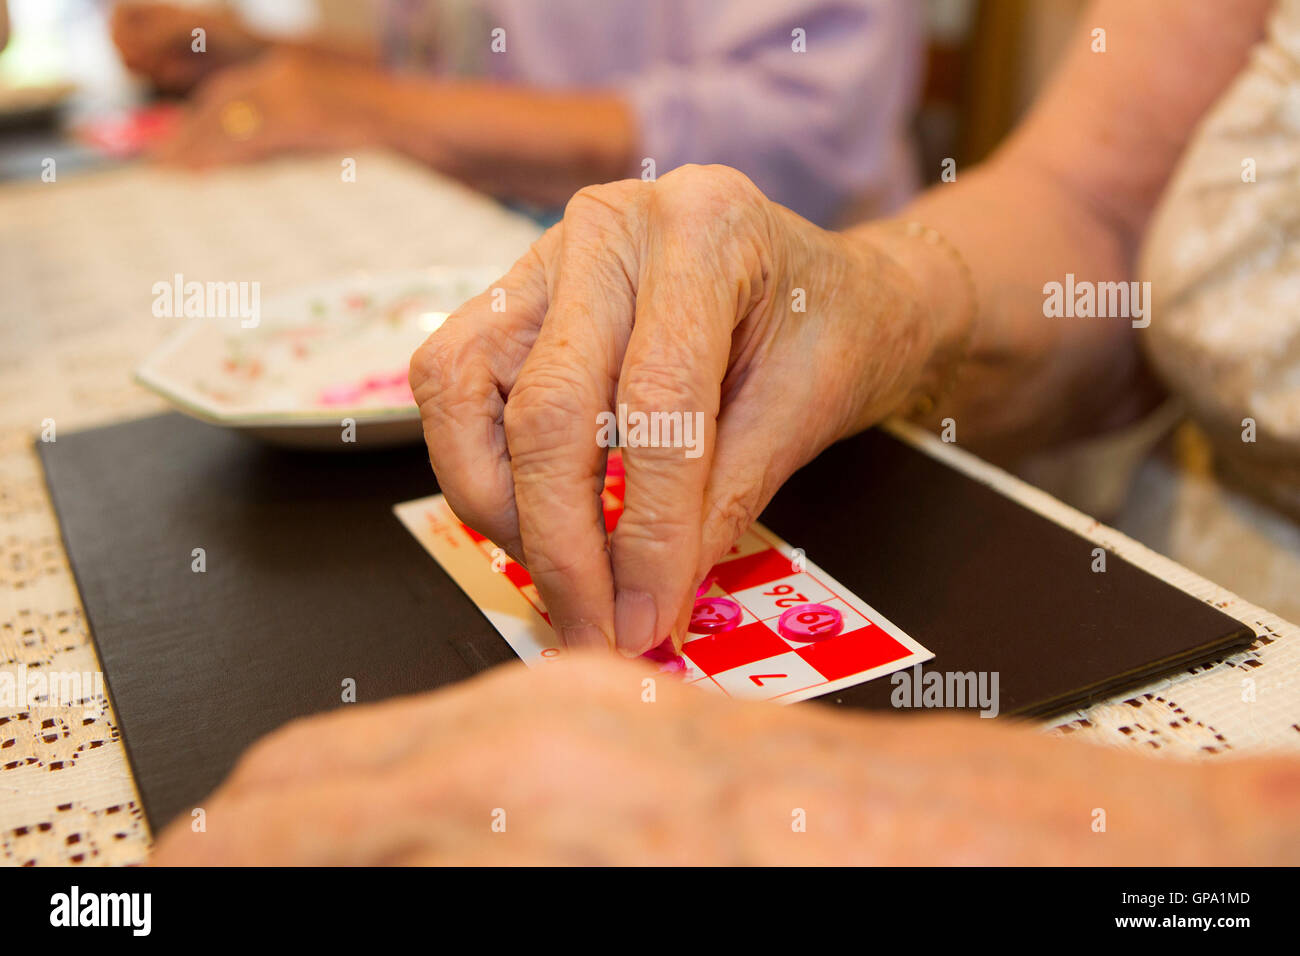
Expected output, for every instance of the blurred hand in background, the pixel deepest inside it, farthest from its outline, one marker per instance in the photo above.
(533, 101)
(284, 101)
(157, 41)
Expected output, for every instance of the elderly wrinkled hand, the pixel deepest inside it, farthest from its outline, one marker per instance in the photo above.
(158, 41)
(593, 760)
(740, 338)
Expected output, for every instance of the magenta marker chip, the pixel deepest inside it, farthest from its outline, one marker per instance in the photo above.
(713, 616)
(810, 622)
(669, 661)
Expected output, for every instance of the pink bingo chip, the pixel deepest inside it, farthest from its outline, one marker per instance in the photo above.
(810, 622)
(669, 661)
(713, 616)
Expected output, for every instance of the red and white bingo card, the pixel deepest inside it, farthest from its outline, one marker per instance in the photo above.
(767, 624)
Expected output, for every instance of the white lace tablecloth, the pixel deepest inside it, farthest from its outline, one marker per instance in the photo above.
(78, 258)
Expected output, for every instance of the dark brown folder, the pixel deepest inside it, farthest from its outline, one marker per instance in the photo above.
(310, 580)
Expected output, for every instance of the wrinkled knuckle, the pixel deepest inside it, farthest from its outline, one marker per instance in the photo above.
(656, 517)
(661, 386)
(606, 201)
(545, 410)
(544, 562)
(705, 192)
(590, 200)
(734, 511)
(711, 176)
(605, 220)
(434, 365)
(655, 528)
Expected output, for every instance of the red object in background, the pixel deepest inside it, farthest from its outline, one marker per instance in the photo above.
(132, 133)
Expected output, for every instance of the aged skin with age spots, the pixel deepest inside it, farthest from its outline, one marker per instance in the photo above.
(661, 297)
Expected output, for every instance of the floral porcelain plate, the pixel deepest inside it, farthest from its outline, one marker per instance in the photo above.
(322, 367)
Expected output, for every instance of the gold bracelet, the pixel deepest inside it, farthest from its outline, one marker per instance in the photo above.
(928, 401)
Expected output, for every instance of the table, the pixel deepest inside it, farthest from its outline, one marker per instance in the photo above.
(78, 258)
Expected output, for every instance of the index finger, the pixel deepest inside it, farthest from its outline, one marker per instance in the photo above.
(552, 417)
(697, 284)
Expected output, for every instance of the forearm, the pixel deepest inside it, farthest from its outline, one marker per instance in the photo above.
(249, 42)
(1023, 379)
(324, 46)
(531, 145)
(1070, 194)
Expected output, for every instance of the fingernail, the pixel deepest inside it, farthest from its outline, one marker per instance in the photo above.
(584, 637)
(634, 622)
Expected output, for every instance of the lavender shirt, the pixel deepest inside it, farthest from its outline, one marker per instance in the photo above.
(713, 81)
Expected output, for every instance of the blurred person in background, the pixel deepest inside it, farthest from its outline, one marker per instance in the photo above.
(531, 101)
